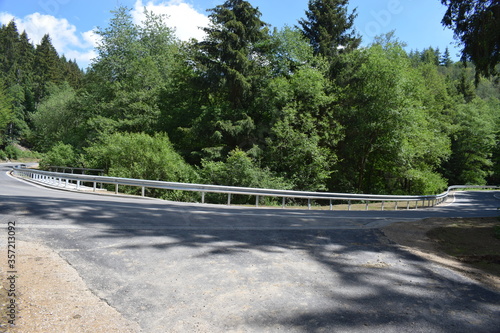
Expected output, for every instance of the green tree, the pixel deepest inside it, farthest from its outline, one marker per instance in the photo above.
(385, 128)
(60, 154)
(131, 70)
(55, 119)
(234, 50)
(9, 51)
(290, 51)
(298, 157)
(476, 25)
(47, 66)
(141, 156)
(26, 55)
(329, 27)
(239, 170)
(431, 56)
(231, 69)
(473, 143)
(446, 58)
(5, 114)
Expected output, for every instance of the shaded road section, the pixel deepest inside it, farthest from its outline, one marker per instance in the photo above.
(199, 268)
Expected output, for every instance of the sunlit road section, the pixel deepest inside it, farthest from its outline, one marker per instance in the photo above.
(175, 267)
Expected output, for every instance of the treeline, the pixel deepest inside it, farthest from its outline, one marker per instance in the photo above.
(301, 107)
(28, 74)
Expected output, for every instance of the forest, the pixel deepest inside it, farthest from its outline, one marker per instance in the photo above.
(303, 107)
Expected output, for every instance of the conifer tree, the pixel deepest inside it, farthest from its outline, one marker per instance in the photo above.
(329, 27)
(9, 51)
(236, 41)
(5, 113)
(446, 58)
(47, 67)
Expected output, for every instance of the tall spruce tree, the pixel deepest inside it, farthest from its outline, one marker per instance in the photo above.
(9, 51)
(47, 66)
(446, 58)
(329, 27)
(26, 59)
(5, 114)
(235, 45)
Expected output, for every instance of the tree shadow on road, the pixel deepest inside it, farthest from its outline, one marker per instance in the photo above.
(252, 270)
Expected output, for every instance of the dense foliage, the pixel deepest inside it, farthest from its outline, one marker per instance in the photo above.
(300, 108)
(477, 26)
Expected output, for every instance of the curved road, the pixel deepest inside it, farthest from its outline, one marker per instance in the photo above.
(175, 267)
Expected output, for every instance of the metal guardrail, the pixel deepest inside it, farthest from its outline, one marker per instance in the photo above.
(64, 179)
(83, 171)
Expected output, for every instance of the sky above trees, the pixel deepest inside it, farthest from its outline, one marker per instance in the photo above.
(71, 23)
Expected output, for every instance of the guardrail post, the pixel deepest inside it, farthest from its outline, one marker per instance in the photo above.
(95, 186)
(383, 203)
(229, 199)
(349, 205)
(143, 189)
(408, 206)
(116, 188)
(396, 205)
(331, 204)
(77, 185)
(309, 204)
(366, 207)
(202, 197)
(256, 201)
(283, 203)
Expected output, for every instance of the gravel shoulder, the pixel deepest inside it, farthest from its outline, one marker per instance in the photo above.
(52, 297)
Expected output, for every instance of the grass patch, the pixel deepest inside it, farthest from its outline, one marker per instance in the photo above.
(476, 242)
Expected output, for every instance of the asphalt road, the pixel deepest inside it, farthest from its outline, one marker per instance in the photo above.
(199, 268)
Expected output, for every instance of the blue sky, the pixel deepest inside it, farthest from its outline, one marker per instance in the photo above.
(70, 22)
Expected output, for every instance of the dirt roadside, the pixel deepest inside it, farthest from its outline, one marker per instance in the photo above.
(412, 237)
(52, 297)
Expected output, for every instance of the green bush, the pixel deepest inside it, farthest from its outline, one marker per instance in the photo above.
(142, 156)
(59, 155)
(12, 152)
(239, 170)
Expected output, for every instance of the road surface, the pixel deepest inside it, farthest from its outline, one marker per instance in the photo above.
(175, 267)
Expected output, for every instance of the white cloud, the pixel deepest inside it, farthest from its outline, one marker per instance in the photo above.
(5, 18)
(181, 16)
(63, 35)
(81, 46)
(91, 38)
